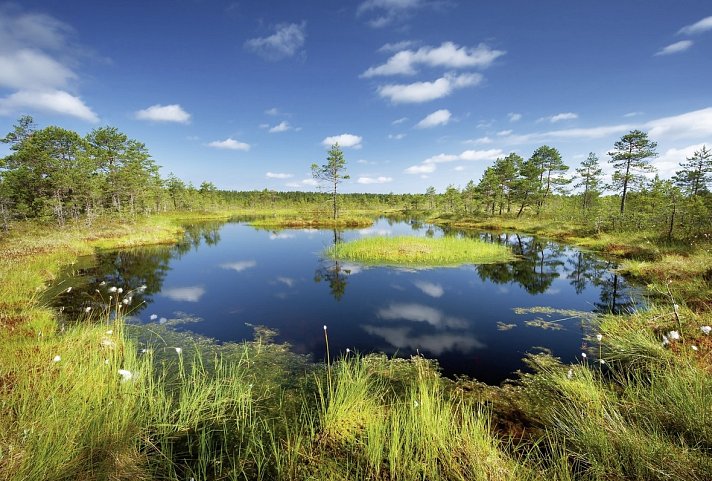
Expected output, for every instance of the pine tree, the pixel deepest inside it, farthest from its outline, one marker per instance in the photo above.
(631, 158)
(696, 173)
(333, 172)
(590, 175)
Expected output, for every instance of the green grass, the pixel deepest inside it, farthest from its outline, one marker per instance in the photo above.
(420, 251)
(257, 411)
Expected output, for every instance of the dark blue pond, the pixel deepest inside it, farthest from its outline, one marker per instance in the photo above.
(477, 320)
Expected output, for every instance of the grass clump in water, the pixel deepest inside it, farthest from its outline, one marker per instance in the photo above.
(420, 252)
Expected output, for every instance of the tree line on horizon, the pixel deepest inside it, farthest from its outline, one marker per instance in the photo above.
(55, 174)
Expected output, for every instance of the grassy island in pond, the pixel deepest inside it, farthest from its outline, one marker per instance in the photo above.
(421, 251)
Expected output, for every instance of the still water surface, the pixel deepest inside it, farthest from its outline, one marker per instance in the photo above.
(477, 320)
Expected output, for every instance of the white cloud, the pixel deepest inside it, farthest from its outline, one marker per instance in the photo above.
(418, 92)
(668, 162)
(184, 294)
(387, 12)
(374, 180)
(344, 140)
(399, 121)
(397, 46)
(32, 70)
(35, 52)
(676, 47)
(429, 165)
(514, 117)
(480, 141)
(695, 124)
(563, 116)
(229, 144)
(283, 126)
(459, 168)
(448, 55)
(52, 101)
(396, 136)
(239, 266)
(286, 41)
(697, 27)
(310, 182)
(164, 113)
(274, 111)
(568, 134)
(504, 133)
(632, 114)
(420, 169)
(439, 117)
(278, 175)
(430, 289)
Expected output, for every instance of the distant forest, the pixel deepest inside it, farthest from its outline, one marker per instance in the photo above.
(54, 174)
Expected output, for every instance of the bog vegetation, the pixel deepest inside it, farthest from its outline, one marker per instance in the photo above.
(100, 399)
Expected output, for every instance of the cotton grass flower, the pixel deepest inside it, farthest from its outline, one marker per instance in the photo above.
(666, 341)
(153, 317)
(125, 375)
(694, 348)
(674, 335)
(120, 290)
(56, 359)
(107, 343)
(110, 332)
(583, 355)
(706, 330)
(87, 309)
(599, 337)
(69, 289)
(112, 289)
(570, 374)
(178, 350)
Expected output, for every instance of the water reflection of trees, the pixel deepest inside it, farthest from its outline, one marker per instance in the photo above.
(139, 273)
(333, 271)
(535, 270)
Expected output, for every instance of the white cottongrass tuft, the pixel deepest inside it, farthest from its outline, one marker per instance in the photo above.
(666, 341)
(325, 327)
(570, 374)
(56, 359)
(102, 283)
(599, 337)
(87, 309)
(120, 290)
(110, 331)
(674, 335)
(112, 289)
(348, 350)
(178, 350)
(125, 375)
(706, 330)
(69, 289)
(583, 355)
(602, 361)
(153, 317)
(125, 301)
(694, 348)
(107, 343)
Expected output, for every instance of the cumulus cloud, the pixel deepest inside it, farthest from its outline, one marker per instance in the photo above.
(514, 117)
(697, 27)
(283, 126)
(374, 180)
(668, 162)
(164, 113)
(287, 40)
(676, 47)
(35, 54)
(397, 46)
(344, 140)
(51, 101)
(396, 136)
(479, 141)
(439, 117)
(429, 165)
(278, 175)
(419, 92)
(32, 70)
(448, 55)
(504, 133)
(229, 144)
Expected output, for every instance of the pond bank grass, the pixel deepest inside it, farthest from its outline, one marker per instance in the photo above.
(420, 251)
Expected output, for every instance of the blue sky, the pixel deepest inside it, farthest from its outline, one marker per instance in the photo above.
(249, 94)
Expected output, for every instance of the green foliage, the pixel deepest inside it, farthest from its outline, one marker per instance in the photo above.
(696, 172)
(630, 159)
(333, 172)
